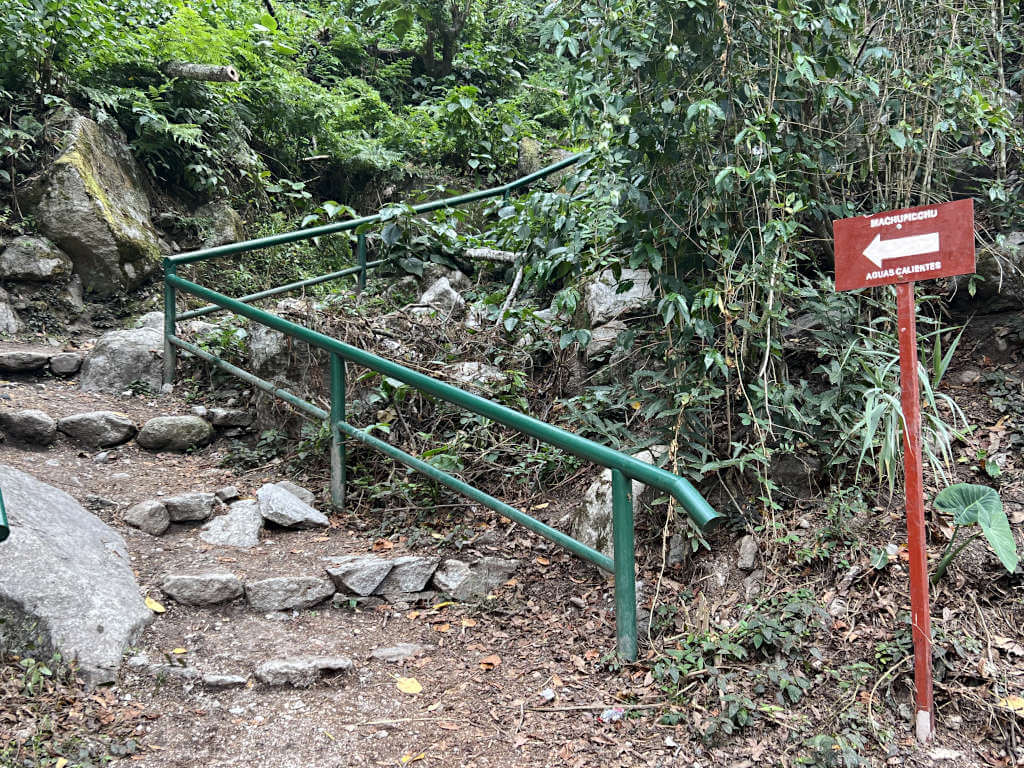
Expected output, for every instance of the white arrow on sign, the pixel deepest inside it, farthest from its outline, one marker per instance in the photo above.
(901, 247)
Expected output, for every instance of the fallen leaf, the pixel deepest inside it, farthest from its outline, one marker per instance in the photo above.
(445, 604)
(449, 726)
(61, 762)
(469, 622)
(591, 654)
(490, 662)
(1008, 646)
(435, 706)
(1013, 703)
(381, 544)
(442, 627)
(542, 561)
(179, 651)
(545, 505)
(409, 758)
(409, 685)
(154, 606)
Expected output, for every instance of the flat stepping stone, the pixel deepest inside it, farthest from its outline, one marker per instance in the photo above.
(358, 574)
(285, 593)
(202, 589)
(187, 507)
(280, 506)
(175, 433)
(300, 671)
(240, 527)
(148, 516)
(23, 360)
(397, 653)
(30, 426)
(98, 429)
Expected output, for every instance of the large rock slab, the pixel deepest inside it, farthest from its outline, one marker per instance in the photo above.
(33, 258)
(282, 507)
(98, 429)
(300, 671)
(69, 574)
(91, 203)
(174, 433)
(440, 297)
(285, 593)
(30, 426)
(603, 300)
(121, 358)
(219, 224)
(358, 574)
(202, 589)
(240, 527)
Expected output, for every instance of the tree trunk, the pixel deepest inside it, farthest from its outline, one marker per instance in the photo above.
(207, 72)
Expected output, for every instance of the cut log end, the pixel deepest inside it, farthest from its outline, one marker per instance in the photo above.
(205, 72)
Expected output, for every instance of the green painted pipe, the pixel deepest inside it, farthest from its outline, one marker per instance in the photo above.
(601, 561)
(360, 270)
(256, 381)
(624, 546)
(679, 488)
(5, 528)
(344, 226)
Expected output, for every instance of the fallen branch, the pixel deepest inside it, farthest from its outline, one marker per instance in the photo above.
(490, 254)
(510, 298)
(205, 72)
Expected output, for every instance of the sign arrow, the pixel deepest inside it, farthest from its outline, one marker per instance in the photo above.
(901, 247)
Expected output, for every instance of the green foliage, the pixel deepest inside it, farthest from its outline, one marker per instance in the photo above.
(976, 505)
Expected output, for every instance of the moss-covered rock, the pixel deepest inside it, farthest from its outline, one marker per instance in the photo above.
(91, 203)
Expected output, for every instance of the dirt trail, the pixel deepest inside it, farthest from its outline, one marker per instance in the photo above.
(468, 713)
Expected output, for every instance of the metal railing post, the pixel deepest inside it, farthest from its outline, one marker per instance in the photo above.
(361, 256)
(625, 563)
(170, 321)
(337, 438)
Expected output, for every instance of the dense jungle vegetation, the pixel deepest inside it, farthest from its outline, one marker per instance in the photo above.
(726, 137)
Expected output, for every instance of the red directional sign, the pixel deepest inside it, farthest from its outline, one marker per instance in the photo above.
(905, 246)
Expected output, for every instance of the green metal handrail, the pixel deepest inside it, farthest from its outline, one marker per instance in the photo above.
(623, 467)
(5, 528)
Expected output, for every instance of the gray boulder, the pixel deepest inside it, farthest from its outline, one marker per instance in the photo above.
(282, 507)
(123, 357)
(440, 296)
(303, 494)
(219, 224)
(603, 300)
(748, 552)
(33, 258)
(65, 363)
(148, 516)
(30, 426)
(98, 429)
(189, 506)
(91, 203)
(202, 589)
(174, 433)
(300, 671)
(464, 581)
(10, 323)
(358, 574)
(154, 320)
(397, 653)
(68, 577)
(285, 593)
(22, 360)
(230, 417)
(240, 527)
(408, 574)
(604, 337)
(591, 522)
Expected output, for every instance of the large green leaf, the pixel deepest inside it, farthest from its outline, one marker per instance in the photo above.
(980, 504)
(966, 502)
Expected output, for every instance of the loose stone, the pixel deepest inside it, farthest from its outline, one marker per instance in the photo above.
(285, 593)
(202, 589)
(148, 516)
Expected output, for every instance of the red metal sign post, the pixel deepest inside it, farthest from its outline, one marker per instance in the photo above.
(899, 247)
